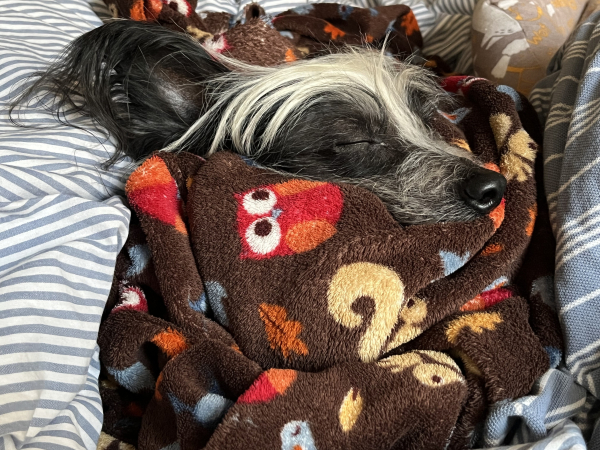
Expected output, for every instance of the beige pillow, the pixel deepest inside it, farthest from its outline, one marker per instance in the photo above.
(513, 40)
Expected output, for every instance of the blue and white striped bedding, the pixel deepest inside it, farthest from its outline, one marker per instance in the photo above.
(563, 410)
(568, 102)
(62, 223)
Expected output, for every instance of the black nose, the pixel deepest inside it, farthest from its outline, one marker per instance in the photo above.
(483, 190)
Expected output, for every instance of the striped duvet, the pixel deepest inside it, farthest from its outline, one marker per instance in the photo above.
(61, 226)
(63, 221)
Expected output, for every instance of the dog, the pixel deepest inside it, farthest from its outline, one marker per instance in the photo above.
(355, 116)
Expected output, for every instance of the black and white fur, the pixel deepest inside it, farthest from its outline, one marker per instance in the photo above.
(356, 116)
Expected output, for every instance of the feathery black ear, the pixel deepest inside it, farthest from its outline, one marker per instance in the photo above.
(141, 82)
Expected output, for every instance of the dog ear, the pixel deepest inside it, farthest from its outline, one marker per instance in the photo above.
(141, 82)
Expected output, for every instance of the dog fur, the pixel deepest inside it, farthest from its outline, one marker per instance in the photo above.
(356, 116)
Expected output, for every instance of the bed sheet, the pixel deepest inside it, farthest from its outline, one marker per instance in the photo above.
(568, 103)
(62, 224)
(63, 221)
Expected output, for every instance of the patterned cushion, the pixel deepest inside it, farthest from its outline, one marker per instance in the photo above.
(513, 40)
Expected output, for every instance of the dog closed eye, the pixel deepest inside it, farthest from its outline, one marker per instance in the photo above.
(157, 89)
(360, 144)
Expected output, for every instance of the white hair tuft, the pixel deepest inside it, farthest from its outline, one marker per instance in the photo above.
(383, 87)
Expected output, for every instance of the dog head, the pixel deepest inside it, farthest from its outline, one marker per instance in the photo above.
(357, 116)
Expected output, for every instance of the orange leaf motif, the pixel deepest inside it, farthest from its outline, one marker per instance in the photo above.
(335, 32)
(172, 342)
(492, 166)
(532, 215)
(282, 333)
(137, 11)
(491, 249)
(497, 215)
(289, 55)
(409, 23)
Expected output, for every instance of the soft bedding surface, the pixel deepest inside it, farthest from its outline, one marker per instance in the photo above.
(61, 227)
(62, 224)
(568, 103)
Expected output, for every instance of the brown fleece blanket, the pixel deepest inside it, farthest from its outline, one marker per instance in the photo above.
(252, 310)
(304, 31)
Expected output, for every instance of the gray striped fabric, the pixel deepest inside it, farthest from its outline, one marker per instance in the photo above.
(572, 164)
(62, 223)
(61, 227)
(568, 103)
(554, 399)
(565, 436)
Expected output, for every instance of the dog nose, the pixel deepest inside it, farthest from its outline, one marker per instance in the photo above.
(483, 190)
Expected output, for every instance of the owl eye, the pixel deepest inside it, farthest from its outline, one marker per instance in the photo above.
(259, 201)
(263, 235)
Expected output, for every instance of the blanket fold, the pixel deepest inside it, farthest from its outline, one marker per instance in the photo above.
(254, 310)
(308, 30)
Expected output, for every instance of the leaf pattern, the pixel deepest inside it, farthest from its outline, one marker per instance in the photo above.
(281, 332)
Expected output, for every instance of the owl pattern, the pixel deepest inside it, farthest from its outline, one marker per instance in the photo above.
(287, 218)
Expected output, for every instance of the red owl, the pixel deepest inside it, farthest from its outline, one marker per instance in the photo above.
(287, 218)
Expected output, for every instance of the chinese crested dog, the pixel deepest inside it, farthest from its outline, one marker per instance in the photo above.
(357, 116)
